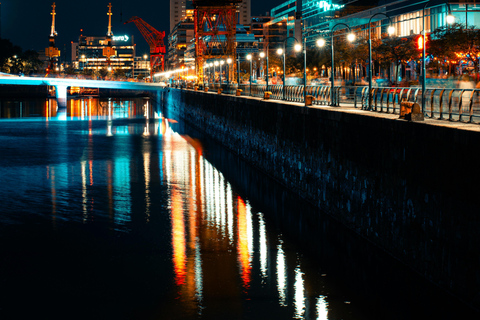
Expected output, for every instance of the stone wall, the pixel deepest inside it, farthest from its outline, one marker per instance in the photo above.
(410, 188)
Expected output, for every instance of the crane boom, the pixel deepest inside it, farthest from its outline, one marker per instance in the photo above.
(154, 39)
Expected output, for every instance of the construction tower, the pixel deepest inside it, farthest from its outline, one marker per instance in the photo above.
(215, 32)
(154, 39)
(52, 52)
(109, 51)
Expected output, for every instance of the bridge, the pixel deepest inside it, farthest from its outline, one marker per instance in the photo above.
(61, 85)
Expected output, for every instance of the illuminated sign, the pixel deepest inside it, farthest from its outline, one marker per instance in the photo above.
(329, 6)
(124, 38)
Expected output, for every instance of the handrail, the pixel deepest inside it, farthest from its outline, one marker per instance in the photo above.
(460, 101)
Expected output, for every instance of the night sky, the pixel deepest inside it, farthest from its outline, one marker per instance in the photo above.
(27, 22)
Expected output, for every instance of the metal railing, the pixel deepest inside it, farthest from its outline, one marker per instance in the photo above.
(441, 103)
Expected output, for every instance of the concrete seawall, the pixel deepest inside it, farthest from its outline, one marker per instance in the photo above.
(410, 188)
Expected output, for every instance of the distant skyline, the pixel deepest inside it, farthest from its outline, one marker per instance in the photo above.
(27, 22)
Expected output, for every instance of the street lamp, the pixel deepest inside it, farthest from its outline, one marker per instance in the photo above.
(450, 19)
(262, 55)
(321, 43)
(211, 65)
(249, 58)
(205, 68)
(215, 64)
(304, 66)
(238, 71)
(222, 62)
(280, 51)
(229, 61)
(391, 31)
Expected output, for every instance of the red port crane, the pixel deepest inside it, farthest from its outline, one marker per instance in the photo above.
(154, 39)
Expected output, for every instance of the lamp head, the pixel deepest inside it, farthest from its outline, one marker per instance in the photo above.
(249, 57)
(321, 42)
(450, 18)
(297, 47)
(391, 30)
(262, 54)
(216, 63)
(229, 60)
(351, 37)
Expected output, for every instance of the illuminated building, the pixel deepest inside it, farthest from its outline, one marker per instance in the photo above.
(178, 39)
(88, 53)
(179, 10)
(244, 12)
(141, 66)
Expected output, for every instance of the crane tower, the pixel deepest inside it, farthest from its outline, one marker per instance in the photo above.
(215, 32)
(154, 39)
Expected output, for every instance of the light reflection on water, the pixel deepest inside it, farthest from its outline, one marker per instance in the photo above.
(115, 174)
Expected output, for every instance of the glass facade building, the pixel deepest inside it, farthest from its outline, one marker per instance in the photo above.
(89, 53)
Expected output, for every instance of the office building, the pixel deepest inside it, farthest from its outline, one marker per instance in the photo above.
(88, 53)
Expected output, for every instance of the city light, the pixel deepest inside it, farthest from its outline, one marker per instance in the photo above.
(321, 42)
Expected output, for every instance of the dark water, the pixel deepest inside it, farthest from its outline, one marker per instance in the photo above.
(110, 211)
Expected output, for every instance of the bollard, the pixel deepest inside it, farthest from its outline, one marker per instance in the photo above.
(309, 100)
(195, 88)
(405, 108)
(417, 114)
(267, 94)
(205, 89)
(411, 111)
(219, 91)
(239, 92)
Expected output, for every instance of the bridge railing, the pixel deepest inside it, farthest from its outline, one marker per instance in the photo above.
(454, 104)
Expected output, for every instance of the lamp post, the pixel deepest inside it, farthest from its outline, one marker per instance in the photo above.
(391, 31)
(222, 62)
(212, 66)
(450, 20)
(205, 68)
(280, 51)
(229, 61)
(249, 58)
(238, 71)
(321, 43)
(262, 55)
(304, 65)
(215, 64)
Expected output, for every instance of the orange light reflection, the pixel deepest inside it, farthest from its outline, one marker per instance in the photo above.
(242, 245)
(178, 238)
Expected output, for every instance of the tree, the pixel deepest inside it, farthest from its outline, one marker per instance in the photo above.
(7, 52)
(456, 42)
(103, 73)
(119, 74)
(31, 62)
(399, 51)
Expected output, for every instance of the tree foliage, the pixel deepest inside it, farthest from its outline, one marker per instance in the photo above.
(456, 42)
